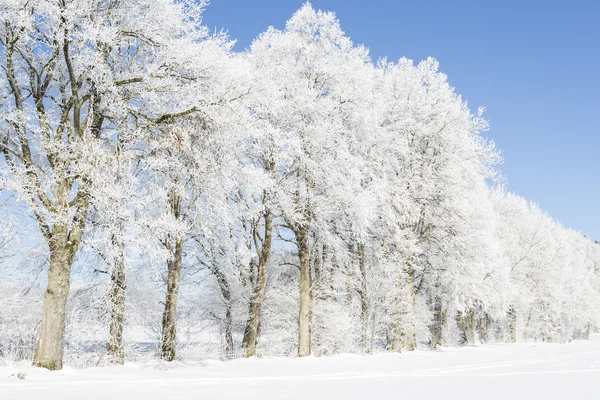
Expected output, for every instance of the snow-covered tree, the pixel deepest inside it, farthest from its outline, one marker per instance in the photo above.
(293, 198)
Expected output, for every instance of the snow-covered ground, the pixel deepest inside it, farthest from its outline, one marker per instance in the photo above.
(502, 371)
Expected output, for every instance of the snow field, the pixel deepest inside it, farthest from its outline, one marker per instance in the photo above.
(501, 371)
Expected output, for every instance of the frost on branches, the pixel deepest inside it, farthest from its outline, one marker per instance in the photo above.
(164, 196)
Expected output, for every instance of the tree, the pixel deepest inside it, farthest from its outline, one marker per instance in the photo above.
(437, 158)
(295, 197)
(72, 71)
(302, 102)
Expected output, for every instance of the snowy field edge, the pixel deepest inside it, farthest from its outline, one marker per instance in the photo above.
(523, 370)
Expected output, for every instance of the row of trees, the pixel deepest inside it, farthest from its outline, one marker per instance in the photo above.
(293, 198)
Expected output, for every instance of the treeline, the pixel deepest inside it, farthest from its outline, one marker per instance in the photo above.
(168, 194)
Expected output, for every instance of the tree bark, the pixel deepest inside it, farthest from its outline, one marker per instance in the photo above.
(409, 334)
(404, 334)
(483, 327)
(304, 339)
(373, 325)
(49, 351)
(397, 335)
(252, 325)
(470, 326)
(512, 325)
(114, 347)
(587, 331)
(167, 348)
(228, 332)
(396, 339)
(460, 321)
(167, 351)
(228, 321)
(438, 322)
(364, 299)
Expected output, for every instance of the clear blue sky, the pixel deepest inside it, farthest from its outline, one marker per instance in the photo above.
(535, 65)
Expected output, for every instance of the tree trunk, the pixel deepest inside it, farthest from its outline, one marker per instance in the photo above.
(437, 323)
(587, 331)
(396, 339)
(483, 327)
(116, 352)
(404, 334)
(168, 322)
(470, 326)
(228, 320)
(304, 339)
(50, 346)
(512, 325)
(409, 333)
(373, 325)
(460, 321)
(252, 325)
(397, 336)
(364, 299)
(114, 347)
(228, 332)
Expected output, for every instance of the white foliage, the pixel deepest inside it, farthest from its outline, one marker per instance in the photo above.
(409, 232)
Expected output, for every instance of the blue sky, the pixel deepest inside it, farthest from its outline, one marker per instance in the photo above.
(535, 65)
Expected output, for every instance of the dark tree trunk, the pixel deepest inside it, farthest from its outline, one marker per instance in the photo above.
(254, 314)
(167, 348)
